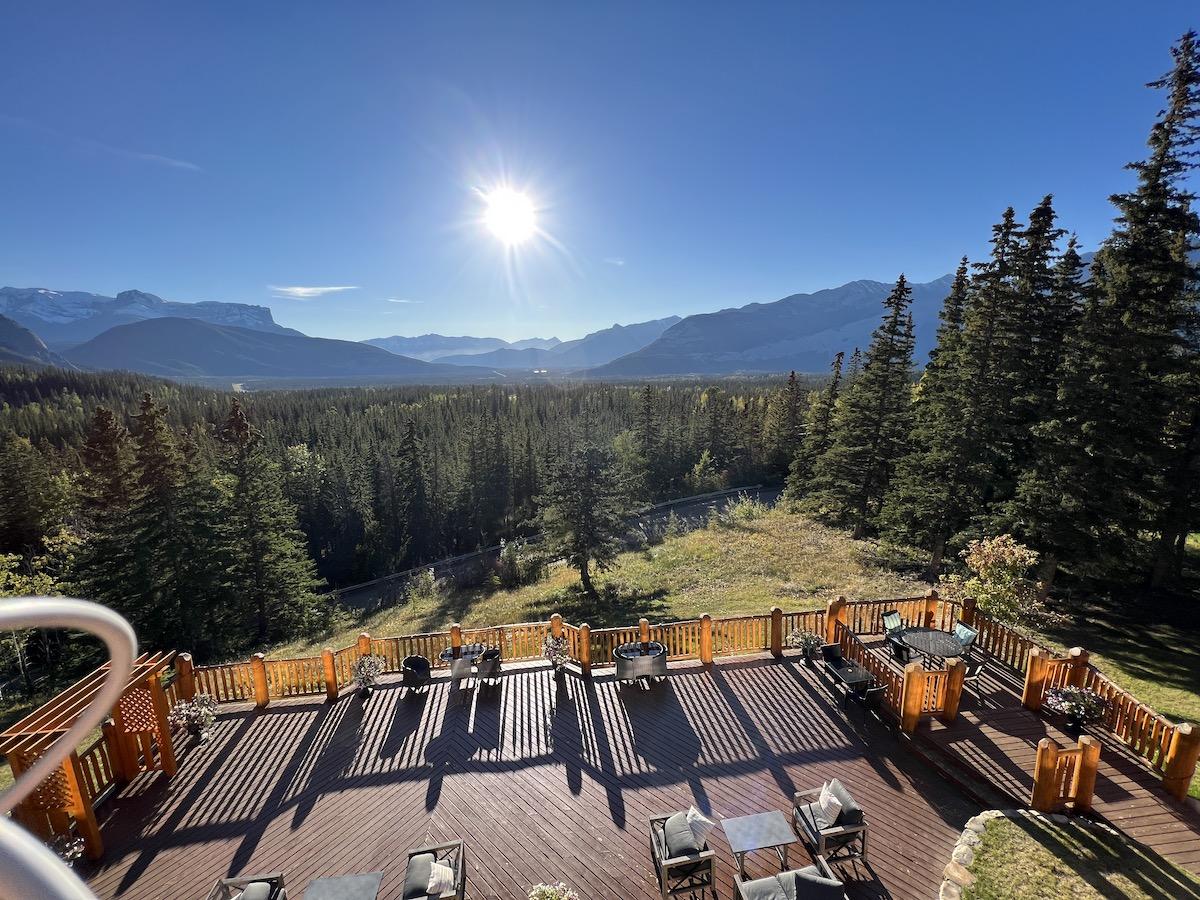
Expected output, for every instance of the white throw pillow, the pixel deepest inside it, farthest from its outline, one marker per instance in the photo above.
(700, 825)
(831, 806)
(441, 879)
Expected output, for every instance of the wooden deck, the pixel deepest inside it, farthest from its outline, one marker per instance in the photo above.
(996, 738)
(543, 780)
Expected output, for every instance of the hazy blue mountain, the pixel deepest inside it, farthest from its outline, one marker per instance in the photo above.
(432, 346)
(65, 318)
(187, 348)
(802, 332)
(436, 346)
(21, 346)
(593, 349)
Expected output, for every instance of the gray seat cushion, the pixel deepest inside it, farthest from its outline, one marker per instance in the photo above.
(256, 890)
(416, 878)
(851, 813)
(799, 884)
(678, 836)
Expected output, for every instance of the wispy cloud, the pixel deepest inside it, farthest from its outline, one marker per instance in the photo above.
(402, 300)
(306, 292)
(615, 260)
(99, 146)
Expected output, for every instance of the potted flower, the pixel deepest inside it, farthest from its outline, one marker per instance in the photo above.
(196, 715)
(1079, 706)
(552, 892)
(367, 670)
(806, 642)
(558, 652)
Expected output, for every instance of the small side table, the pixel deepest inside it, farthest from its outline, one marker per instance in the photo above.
(762, 831)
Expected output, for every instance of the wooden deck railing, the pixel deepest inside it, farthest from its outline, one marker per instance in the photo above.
(1065, 777)
(98, 768)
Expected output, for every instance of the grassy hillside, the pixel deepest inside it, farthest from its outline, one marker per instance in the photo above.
(746, 563)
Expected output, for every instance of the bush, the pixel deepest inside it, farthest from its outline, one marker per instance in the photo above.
(425, 586)
(1000, 582)
(742, 510)
(520, 563)
(552, 892)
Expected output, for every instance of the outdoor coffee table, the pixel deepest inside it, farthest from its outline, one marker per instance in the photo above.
(345, 887)
(762, 831)
(932, 643)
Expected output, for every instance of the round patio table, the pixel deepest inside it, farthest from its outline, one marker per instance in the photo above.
(930, 642)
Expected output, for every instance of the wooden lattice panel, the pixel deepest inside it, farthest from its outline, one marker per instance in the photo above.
(137, 711)
(54, 793)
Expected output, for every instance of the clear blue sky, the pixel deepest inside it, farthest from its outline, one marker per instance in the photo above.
(686, 156)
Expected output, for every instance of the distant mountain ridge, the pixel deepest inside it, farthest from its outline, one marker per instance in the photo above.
(593, 349)
(20, 346)
(430, 347)
(188, 348)
(65, 318)
(801, 332)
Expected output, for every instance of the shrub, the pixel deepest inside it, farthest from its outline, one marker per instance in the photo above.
(805, 641)
(1077, 704)
(1000, 582)
(197, 714)
(552, 892)
(520, 563)
(425, 586)
(674, 526)
(556, 650)
(367, 669)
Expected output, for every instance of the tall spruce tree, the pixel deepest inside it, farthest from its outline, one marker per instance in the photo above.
(785, 425)
(272, 580)
(1103, 479)
(583, 511)
(106, 490)
(932, 496)
(871, 426)
(818, 430)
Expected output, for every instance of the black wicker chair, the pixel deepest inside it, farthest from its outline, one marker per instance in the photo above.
(415, 673)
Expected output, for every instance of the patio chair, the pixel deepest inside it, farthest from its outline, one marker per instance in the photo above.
(871, 702)
(487, 665)
(421, 860)
(415, 673)
(976, 666)
(254, 887)
(967, 635)
(845, 838)
(815, 882)
(682, 866)
(892, 626)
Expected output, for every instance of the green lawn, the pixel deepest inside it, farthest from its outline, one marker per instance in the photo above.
(777, 559)
(1037, 860)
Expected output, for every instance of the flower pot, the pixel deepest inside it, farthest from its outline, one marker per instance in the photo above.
(195, 730)
(365, 691)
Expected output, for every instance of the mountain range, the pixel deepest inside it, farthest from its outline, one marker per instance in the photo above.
(65, 318)
(142, 332)
(430, 347)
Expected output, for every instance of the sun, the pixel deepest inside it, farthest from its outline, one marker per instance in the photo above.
(509, 215)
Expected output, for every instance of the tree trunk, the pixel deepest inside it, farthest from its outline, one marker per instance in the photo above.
(1045, 575)
(935, 559)
(586, 577)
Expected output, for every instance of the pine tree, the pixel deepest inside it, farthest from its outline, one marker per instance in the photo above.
(1103, 479)
(871, 425)
(583, 512)
(785, 426)
(932, 496)
(106, 490)
(817, 433)
(412, 496)
(271, 579)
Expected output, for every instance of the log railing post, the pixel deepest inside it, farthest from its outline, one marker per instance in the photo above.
(644, 630)
(185, 677)
(1079, 667)
(835, 612)
(1086, 768)
(331, 685)
(585, 648)
(776, 632)
(556, 626)
(931, 604)
(456, 640)
(967, 616)
(956, 672)
(258, 666)
(162, 713)
(82, 809)
(1035, 680)
(706, 639)
(364, 644)
(912, 697)
(1179, 766)
(1045, 777)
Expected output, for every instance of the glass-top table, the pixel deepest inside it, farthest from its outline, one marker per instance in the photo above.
(761, 831)
(932, 643)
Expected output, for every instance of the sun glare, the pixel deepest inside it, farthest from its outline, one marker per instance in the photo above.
(509, 215)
